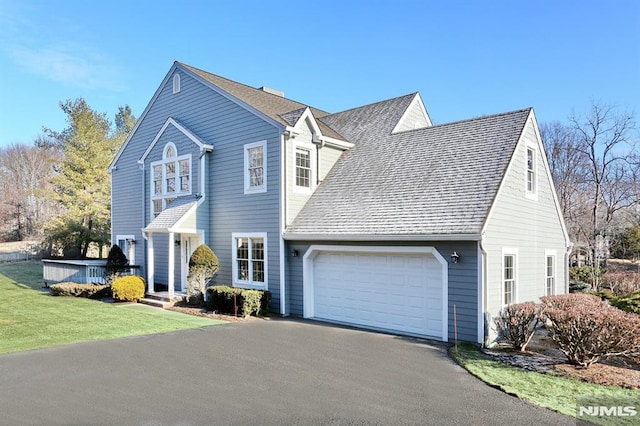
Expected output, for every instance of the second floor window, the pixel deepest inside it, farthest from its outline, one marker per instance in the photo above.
(255, 167)
(303, 167)
(171, 177)
(531, 171)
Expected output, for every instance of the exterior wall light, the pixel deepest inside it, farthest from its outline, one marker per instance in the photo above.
(455, 257)
(294, 253)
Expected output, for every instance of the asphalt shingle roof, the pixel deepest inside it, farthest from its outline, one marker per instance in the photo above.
(276, 107)
(436, 180)
(172, 214)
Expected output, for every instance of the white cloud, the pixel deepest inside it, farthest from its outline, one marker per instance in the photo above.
(69, 66)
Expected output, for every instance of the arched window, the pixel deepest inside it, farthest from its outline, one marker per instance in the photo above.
(171, 178)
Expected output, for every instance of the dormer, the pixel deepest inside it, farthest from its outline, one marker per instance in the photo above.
(414, 117)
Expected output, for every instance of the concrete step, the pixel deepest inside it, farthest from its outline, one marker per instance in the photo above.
(156, 302)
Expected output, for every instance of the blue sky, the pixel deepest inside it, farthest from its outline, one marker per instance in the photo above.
(465, 58)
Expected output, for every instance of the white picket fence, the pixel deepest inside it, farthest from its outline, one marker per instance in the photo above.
(17, 256)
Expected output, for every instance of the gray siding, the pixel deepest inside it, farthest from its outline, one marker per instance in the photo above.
(222, 123)
(463, 281)
(530, 226)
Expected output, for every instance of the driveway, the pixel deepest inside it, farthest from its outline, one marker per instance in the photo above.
(267, 372)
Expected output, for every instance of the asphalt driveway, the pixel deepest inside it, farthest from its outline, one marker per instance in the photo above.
(267, 372)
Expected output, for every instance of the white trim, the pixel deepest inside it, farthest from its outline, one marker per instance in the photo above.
(164, 195)
(143, 115)
(313, 251)
(554, 255)
(533, 194)
(382, 237)
(282, 221)
(312, 164)
(184, 130)
(417, 99)
(482, 296)
(509, 251)
(131, 249)
(231, 97)
(547, 170)
(248, 189)
(234, 261)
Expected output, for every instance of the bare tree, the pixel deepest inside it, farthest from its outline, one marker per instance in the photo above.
(25, 171)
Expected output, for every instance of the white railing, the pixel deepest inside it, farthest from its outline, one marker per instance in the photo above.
(77, 271)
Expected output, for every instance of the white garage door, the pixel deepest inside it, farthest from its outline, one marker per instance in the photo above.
(396, 291)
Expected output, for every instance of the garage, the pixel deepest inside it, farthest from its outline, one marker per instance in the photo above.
(397, 289)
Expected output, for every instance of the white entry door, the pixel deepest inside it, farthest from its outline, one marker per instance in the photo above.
(186, 251)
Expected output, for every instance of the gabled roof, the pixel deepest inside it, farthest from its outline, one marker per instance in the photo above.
(181, 128)
(355, 123)
(439, 180)
(171, 217)
(271, 105)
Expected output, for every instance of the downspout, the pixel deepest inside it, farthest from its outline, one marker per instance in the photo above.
(567, 258)
(484, 320)
(283, 221)
(143, 222)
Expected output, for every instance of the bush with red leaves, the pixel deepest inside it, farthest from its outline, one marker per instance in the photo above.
(517, 323)
(588, 329)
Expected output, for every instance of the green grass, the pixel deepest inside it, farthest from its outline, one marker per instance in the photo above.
(556, 393)
(30, 318)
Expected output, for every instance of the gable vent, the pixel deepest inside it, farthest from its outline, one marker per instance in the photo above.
(272, 91)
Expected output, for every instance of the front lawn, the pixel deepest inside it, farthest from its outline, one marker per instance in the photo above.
(30, 318)
(556, 393)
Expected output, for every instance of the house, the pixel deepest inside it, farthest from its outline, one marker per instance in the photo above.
(372, 217)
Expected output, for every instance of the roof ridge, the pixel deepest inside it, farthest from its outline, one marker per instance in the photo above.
(480, 117)
(375, 103)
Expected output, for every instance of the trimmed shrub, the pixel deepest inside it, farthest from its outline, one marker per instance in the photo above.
(628, 303)
(116, 263)
(588, 329)
(248, 302)
(203, 265)
(517, 323)
(129, 289)
(90, 291)
(621, 283)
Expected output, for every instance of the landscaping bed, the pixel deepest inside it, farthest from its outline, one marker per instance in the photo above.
(201, 311)
(543, 356)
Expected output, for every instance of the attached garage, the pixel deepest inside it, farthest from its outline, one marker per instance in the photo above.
(398, 289)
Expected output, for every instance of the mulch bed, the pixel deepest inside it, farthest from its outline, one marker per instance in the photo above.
(544, 357)
(204, 312)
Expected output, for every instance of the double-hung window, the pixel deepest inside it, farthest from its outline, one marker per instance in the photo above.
(255, 167)
(171, 178)
(250, 260)
(531, 182)
(509, 277)
(550, 273)
(303, 167)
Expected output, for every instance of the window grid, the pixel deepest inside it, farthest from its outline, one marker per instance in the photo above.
(250, 260)
(531, 174)
(256, 167)
(171, 178)
(303, 167)
(550, 276)
(509, 279)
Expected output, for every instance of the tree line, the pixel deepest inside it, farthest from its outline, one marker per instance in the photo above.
(594, 161)
(58, 189)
